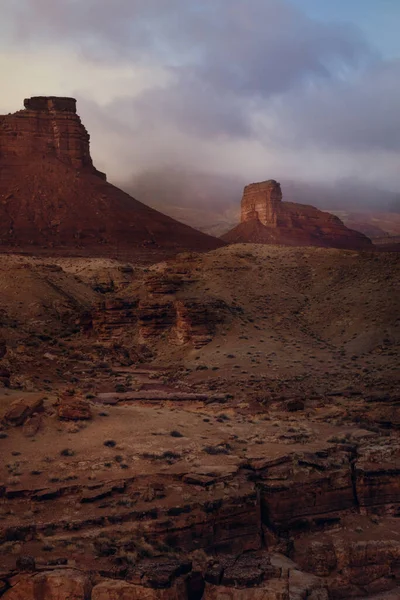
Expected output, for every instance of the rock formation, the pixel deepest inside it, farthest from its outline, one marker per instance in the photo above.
(53, 200)
(47, 128)
(265, 219)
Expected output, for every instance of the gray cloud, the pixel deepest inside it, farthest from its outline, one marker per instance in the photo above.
(252, 88)
(356, 114)
(233, 41)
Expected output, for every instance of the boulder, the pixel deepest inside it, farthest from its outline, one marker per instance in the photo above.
(32, 425)
(74, 409)
(26, 563)
(21, 409)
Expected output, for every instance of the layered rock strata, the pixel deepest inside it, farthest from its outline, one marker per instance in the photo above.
(49, 127)
(282, 525)
(155, 311)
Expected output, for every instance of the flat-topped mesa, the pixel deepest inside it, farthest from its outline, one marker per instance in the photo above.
(265, 219)
(48, 127)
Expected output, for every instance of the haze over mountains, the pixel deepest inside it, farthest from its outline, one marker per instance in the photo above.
(211, 202)
(295, 90)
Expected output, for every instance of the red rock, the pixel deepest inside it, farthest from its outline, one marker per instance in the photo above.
(21, 409)
(53, 200)
(119, 590)
(32, 425)
(265, 219)
(74, 409)
(55, 585)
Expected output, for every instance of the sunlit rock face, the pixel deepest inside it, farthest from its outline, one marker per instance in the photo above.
(265, 219)
(262, 201)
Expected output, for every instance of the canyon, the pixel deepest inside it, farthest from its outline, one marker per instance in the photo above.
(184, 417)
(169, 435)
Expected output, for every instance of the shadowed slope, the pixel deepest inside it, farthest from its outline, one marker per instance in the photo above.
(52, 199)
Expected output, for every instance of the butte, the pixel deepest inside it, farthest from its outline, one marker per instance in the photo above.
(265, 219)
(54, 201)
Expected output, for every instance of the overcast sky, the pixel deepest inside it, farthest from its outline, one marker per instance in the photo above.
(299, 89)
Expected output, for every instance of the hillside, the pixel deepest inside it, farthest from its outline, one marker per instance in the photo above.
(54, 201)
(220, 424)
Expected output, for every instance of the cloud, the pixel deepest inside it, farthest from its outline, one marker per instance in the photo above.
(252, 89)
(358, 114)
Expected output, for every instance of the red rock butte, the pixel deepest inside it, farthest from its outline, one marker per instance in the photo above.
(53, 200)
(265, 219)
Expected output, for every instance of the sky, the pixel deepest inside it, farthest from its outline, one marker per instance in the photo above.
(305, 90)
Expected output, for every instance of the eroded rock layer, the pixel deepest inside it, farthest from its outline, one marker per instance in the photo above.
(223, 425)
(265, 219)
(53, 200)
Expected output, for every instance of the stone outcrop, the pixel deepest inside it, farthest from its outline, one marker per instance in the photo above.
(307, 513)
(22, 409)
(48, 127)
(161, 308)
(53, 200)
(262, 201)
(265, 219)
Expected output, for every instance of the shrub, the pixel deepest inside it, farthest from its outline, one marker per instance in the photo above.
(176, 434)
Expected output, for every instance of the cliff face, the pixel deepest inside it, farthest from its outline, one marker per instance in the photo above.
(53, 200)
(265, 219)
(48, 127)
(262, 201)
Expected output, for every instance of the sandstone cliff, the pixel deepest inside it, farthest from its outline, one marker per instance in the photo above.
(265, 219)
(53, 200)
(47, 128)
